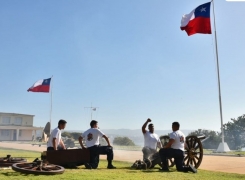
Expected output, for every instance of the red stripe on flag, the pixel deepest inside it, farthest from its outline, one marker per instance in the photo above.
(42, 88)
(198, 25)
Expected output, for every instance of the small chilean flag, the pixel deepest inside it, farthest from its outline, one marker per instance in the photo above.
(198, 21)
(41, 86)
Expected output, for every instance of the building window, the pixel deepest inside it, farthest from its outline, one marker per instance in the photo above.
(6, 120)
(5, 132)
(18, 121)
(20, 132)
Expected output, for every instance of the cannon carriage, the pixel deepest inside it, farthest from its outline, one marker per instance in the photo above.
(193, 152)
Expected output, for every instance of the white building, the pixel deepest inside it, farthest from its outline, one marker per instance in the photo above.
(17, 127)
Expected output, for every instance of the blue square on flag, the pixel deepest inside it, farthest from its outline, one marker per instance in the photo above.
(46, 81)
(203, 10)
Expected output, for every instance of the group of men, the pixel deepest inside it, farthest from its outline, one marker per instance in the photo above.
(175, 148)
(91, 137)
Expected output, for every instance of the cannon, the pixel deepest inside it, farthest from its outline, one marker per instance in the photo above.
(193, 154)
(67, 158)
(193, 151)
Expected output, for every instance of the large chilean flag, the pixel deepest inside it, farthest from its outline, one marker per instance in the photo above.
(41, 86)
(198, 21)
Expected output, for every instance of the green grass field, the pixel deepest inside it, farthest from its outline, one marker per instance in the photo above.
(123, 171)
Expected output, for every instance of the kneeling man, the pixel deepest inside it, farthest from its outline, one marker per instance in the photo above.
(91, 137)
(151, 140)
(175, 149)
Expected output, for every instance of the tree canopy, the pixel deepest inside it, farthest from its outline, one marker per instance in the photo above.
(213, 138)
(234, 132)
(123, 141)
(74, 135)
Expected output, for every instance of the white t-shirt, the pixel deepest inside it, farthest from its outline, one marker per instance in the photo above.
(56, 133)
(151, 140)
(92, 137)
(179, 140)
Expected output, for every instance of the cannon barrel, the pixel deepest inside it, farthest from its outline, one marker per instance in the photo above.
(202, 137)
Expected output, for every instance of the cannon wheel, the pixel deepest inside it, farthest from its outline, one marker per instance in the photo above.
(38, 168)
(164, 140)
(194, 151)
(9, 161)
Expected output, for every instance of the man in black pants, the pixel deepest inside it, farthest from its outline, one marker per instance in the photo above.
(175, 149)
(91, 137)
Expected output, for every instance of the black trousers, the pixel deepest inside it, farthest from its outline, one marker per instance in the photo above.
(96, 151)
(177, 154)
(50, 149)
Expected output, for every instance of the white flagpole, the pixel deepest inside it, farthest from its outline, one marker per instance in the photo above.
(221, 146)
(51, 103)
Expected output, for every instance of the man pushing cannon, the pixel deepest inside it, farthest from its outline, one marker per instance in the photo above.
(175, 148)
(91, 137)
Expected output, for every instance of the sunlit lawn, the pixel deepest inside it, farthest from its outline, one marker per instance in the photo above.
(123, 171)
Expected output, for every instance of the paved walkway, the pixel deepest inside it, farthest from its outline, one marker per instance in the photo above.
(211, 163)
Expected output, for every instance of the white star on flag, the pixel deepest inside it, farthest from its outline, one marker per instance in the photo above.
(203, 9)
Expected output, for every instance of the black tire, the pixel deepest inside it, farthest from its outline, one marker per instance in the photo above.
(194, 151)
(19, 167)
(6, 162)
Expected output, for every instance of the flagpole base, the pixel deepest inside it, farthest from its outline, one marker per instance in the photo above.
(223, 147)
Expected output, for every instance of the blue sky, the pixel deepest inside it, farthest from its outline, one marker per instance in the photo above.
(129, 58)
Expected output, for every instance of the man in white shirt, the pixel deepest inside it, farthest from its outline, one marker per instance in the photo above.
(91, 137)
(175, 149)
(151, 140)
(55, 142)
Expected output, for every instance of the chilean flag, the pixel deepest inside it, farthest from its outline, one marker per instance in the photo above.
(41, 86)
(198, 21)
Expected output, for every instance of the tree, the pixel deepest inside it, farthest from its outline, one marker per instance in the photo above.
(76, 135)
(73, 135)
(234, 132)
(66, 134)
(214, 138)
(123, 141)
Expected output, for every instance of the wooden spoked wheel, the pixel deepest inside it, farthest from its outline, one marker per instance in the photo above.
(164, 140)
(9, 161)
(194, 151)
(38, 168)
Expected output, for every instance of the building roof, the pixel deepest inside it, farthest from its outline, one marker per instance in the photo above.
(16, 114)
(22, 127)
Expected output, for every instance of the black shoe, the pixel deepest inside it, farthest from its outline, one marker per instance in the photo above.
(111, 167)
(192, 169)
(87, 165)
(164, 169)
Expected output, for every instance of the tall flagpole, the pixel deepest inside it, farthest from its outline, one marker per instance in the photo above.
(51, 103)
(221, 146)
